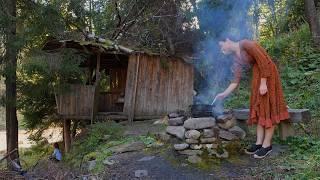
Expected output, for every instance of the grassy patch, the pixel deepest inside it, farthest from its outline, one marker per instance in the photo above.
(97, 143)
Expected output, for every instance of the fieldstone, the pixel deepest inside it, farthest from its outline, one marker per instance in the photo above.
(224, 118)
(211, 146)
(227, 135)
(176, 121)
(195, 146)
(192, 141)
(109, 162)
(147, 158)
(173, 115)
(163, 136)
(236, 130)
(199, 123)
(192, 134)
(177, 131)
(194, 159)
(208, 133)
(228, 124)
(190, 152)
(207, 140)
(180, 147)
(140, 173)
(128, 147)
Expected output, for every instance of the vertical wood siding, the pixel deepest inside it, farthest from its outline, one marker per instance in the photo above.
(163, 86)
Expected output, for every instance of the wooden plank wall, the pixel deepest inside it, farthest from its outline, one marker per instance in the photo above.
(77, 101)
(163, 85)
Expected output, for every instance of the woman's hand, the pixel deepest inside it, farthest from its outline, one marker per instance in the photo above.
(220, 96)
(263, 88)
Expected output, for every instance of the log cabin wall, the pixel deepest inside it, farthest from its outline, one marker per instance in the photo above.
(162, 85)
(76, 102)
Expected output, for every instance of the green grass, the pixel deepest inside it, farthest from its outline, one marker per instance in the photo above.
(95, 147)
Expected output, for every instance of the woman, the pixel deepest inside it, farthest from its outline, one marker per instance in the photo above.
(267, 103)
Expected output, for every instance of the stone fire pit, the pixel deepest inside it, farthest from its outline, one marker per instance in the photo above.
(198, 135)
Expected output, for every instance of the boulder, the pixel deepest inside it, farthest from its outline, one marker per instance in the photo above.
(192, 134)
(228, 124)
(180, 147)
(194, 159)
(208, 133)
(192, 141)
(173, 115)
(195, 146)
(128, 147)
(199, 123)
(236, 130)
(190, 152)
(227, 135)
(207, 140)
(177, 131)
(176, 121)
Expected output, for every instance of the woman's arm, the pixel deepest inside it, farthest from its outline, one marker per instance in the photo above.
(228, 91)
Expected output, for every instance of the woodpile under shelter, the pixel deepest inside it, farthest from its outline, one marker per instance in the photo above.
(140, 85)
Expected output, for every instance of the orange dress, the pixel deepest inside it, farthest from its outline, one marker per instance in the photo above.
(269, 109)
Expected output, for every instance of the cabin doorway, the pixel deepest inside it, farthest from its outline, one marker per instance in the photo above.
(112, 83)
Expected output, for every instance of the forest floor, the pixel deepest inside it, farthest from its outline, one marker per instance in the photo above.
(162, 162)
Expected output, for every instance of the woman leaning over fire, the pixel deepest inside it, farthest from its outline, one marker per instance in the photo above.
(267, 103)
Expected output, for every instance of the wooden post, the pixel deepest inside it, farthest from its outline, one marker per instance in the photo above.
(286, 129)
(66, 134)
(96, 90)
(134, 93)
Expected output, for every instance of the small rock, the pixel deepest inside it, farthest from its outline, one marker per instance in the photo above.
(92, 165)
(199, 123)
(109, 162)
(228, 124)
(194, 159)
(208, 133)
(207, 140)
(147, 158)
(176, 121)
(211, 146)
(177, 131)
(190, 152)
(180, 147)
(195, 146)
(140, 173)
(227, 135)
(128, 147)
(163, 137)
(173, 115)
(192, 134)
(222, 155)
(192, 141)
(236, 130)
(106, 137)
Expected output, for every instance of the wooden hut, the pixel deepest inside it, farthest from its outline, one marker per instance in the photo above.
(140, 85)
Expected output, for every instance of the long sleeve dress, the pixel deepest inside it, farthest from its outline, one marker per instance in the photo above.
(269, 109)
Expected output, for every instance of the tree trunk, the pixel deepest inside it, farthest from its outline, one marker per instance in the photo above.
(10, 80)
(313, 21)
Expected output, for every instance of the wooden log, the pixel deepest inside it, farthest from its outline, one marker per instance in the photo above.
(67, 134)
(296, 115)
(96, 90)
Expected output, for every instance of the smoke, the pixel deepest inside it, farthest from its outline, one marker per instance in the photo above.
(218, 20)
